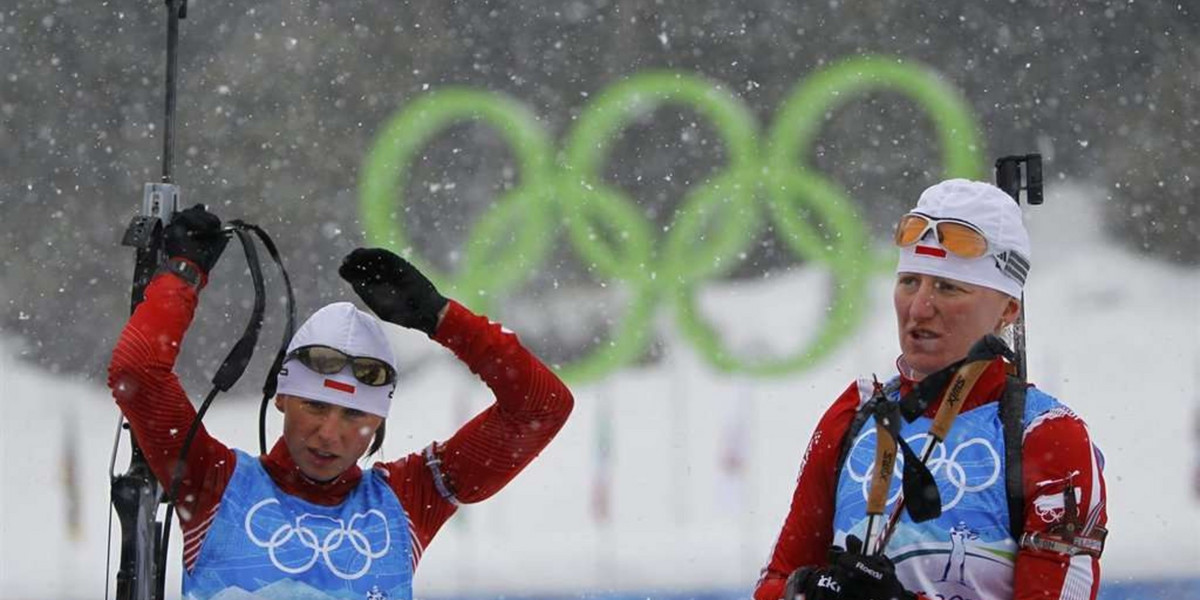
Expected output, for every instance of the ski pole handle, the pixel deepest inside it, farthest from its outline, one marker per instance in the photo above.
(881, 479)
(952, 400)
(885, 464)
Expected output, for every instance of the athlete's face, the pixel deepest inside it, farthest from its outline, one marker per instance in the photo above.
(939, 319)
(324, 439)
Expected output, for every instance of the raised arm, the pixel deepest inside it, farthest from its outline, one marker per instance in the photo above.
(158, 410)
(531, 405)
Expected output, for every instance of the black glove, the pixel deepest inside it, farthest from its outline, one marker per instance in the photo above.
(195, 234)
(815, 583)
(866, 577)
(394, 289)
(850, 575)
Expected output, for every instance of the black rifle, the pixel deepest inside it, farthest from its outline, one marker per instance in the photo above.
(136, 494)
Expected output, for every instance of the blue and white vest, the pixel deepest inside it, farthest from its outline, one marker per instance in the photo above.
(968, 552)
(267, 544)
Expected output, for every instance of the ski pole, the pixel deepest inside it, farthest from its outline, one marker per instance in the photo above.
(885, 464)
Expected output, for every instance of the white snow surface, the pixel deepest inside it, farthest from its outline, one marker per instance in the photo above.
(1114, 335)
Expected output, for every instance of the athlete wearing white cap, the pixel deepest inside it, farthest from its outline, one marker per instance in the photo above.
(304, 520)
(964, 259)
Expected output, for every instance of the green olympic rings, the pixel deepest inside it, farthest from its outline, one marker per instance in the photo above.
(715, 223)
(489, 267)
(648, 270)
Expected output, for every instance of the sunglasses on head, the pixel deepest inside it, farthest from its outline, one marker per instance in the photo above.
(327, 361)
(955, 235)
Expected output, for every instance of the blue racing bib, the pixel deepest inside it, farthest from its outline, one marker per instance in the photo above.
(967, 553)
(266, 544)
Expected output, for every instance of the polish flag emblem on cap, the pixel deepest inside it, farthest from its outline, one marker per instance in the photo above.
(355, 333)
(990, 210)
(339, 386)
(931, 251)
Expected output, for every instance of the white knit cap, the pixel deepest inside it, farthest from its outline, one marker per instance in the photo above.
(993, 212)
(340, 325)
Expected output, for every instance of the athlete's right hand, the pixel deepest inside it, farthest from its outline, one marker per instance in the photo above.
(812, 583)
(195, 234)
(851, 575)
(796, 584)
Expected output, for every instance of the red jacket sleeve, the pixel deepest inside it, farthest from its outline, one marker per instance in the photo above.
(531, 406)
(157, 408)
(808, 530)
(1059, 459)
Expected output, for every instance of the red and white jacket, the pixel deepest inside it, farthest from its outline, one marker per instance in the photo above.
(531, 406)
(1057, 449)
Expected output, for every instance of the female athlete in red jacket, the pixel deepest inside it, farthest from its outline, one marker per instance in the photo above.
(305, 519)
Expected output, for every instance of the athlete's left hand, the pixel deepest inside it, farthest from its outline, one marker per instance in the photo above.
(394, 289)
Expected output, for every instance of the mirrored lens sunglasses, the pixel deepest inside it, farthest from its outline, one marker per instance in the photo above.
(327, 361)
(955, 235)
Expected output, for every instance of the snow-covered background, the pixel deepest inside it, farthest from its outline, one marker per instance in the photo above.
(702, 464)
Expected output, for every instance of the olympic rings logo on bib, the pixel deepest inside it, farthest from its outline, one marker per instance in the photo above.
(715, 224)
(984, 464)
(291, 537)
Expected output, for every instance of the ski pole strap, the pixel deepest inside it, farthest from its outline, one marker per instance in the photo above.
(1012, 419)
(290, 327)
(235, 362)
(272, 381)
